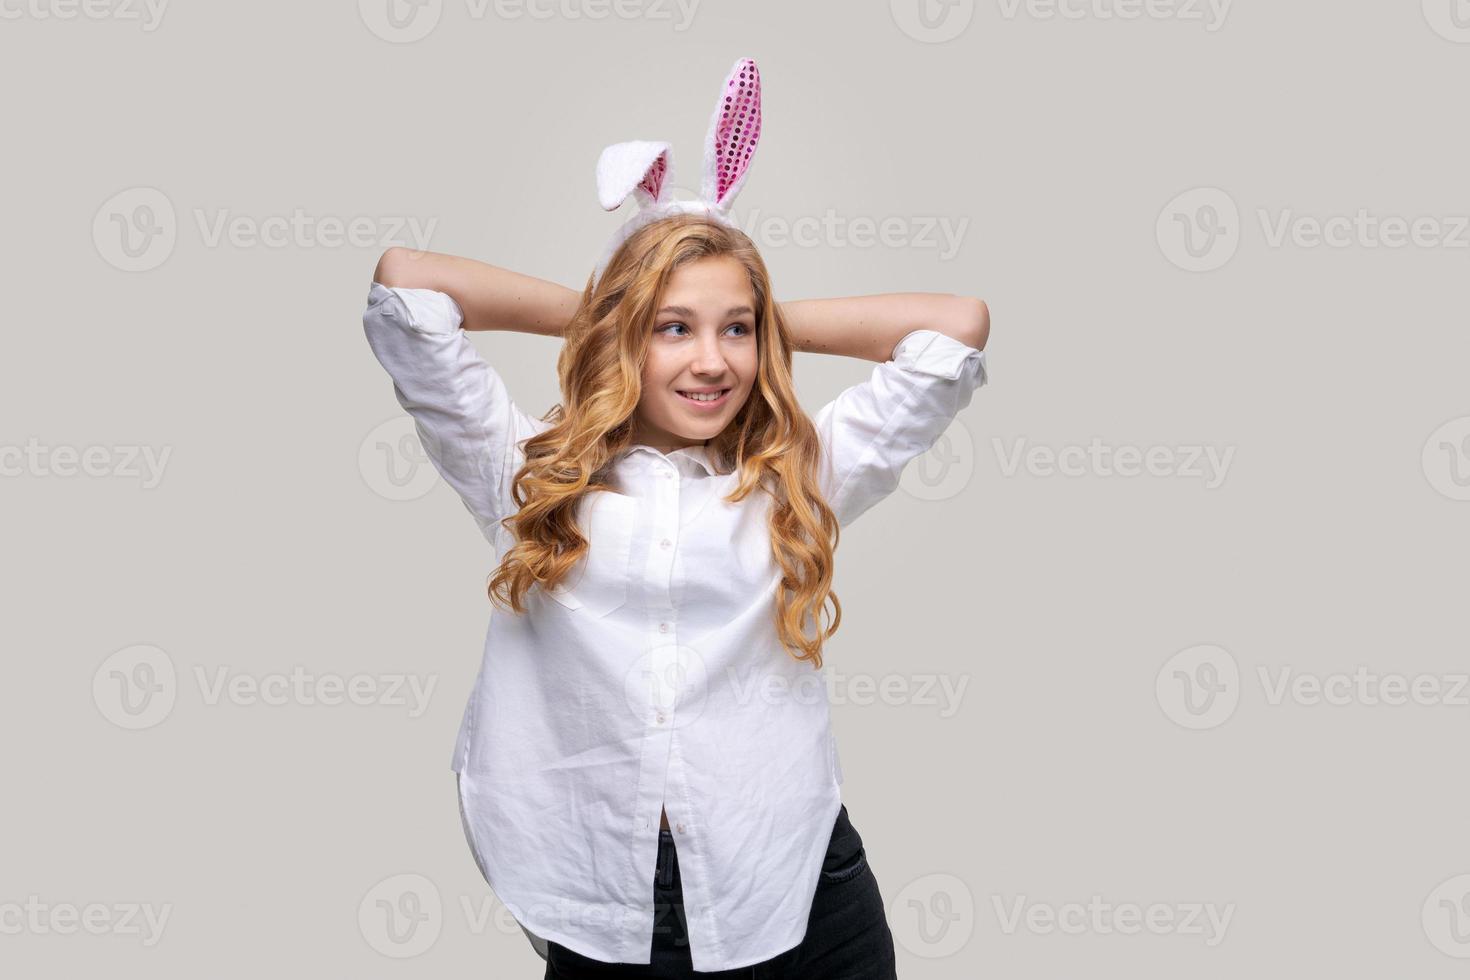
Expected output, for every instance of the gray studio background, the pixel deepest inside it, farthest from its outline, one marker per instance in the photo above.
(1205, 720)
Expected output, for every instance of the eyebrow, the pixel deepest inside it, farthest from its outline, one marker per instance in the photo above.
(686, 311)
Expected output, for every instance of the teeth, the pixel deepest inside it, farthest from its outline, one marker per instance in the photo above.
(704, 396)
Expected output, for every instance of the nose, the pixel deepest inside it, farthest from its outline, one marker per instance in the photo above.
(708, 358)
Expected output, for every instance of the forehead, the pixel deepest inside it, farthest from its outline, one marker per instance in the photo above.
(709, 285)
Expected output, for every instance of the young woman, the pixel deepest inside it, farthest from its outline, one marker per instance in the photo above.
(646, 769)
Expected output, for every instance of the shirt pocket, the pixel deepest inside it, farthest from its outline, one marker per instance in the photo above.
(598, 584)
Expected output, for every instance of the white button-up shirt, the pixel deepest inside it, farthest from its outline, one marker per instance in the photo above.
(652, 677)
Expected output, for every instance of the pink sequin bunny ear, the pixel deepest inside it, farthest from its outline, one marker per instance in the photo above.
(640, 167)
(734, 131)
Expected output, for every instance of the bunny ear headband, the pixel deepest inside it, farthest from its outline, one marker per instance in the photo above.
(645, 169)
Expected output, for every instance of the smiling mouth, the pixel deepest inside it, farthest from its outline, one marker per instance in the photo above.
(711, 398)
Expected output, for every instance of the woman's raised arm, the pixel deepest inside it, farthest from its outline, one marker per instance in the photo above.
(930, 349)
(870, 327)
(468, 424)
(492, 298)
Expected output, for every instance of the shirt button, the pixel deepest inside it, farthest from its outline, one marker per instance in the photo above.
(663, 627)
(665, 543)
(660, 717)
(679, 827)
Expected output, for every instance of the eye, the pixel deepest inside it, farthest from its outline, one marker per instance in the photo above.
(744, 330)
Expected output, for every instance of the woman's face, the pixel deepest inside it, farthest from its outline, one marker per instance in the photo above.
(704, 344)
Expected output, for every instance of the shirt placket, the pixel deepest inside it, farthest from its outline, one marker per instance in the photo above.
(661, 667)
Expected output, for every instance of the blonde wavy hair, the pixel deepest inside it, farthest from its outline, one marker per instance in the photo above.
(771, 442)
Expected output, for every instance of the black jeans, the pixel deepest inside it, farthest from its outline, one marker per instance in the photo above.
(847, 933)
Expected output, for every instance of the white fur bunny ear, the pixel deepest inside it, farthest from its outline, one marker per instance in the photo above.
(734, 131)
(637, 167)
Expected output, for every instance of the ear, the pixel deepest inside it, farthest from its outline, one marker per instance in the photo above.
(640, 166)
(734, 131)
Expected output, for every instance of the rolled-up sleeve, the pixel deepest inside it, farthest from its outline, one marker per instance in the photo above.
(469, 427)
(872, 430)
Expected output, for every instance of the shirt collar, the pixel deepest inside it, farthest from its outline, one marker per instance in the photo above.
(689, 458)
